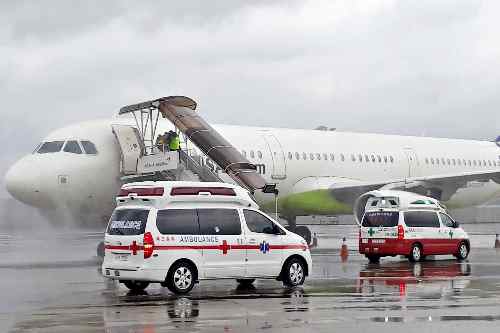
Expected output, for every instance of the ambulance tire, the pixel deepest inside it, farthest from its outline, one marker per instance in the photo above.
(304, 232)
(294, 272)
(463, 251)
(373, 259)
(245, 282)
(181, 277)
(136, 285)
(416, 254)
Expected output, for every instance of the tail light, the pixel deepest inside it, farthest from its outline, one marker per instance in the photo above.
(148, 245)
(401, 232)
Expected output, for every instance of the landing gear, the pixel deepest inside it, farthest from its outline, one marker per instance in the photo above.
(100, 250)
(301, 230)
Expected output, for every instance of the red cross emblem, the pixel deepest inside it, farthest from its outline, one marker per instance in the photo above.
(133, 247)
(224, 247)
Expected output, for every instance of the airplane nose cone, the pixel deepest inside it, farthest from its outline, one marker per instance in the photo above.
(23, 184)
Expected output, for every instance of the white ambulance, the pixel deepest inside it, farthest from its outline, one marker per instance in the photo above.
(408, 224)
(177, 233)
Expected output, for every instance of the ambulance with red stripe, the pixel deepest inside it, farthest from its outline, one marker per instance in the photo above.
(177, 233)
(411, 225)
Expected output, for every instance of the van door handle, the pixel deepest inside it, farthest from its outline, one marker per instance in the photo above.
(252, 241)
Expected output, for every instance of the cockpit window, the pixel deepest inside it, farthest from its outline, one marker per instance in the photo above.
(72, 147)
(89, 147)
(50, 147)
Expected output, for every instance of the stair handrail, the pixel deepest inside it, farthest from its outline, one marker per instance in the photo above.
(197, 168)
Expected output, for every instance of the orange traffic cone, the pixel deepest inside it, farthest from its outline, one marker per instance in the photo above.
(344, 252)
(497, 242)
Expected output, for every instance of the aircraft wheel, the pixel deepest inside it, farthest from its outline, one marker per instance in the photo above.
(100, 250)
(304, 232)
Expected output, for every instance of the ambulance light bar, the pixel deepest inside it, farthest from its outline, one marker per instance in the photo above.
(203, 190)
(141, 191)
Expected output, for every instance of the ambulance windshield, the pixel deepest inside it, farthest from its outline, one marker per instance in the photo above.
(380, 219)
(128, 222)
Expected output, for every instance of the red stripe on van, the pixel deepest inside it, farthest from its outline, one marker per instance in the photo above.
(224, 247)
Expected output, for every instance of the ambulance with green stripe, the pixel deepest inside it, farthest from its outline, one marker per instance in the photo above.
(408, 224)
(178, 233)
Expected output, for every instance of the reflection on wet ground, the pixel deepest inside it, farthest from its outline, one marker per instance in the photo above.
(71, 296)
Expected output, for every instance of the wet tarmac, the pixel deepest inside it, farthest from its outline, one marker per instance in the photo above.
(52, 283)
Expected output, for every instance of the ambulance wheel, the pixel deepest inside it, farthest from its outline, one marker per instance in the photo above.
(245, 282)
(415, 253)
(304, 232)
(181, 277)
(294, 273)
(136, 285)
(463, 251)
(373, 259)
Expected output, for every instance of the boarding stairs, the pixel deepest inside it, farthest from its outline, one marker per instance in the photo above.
(142, 160)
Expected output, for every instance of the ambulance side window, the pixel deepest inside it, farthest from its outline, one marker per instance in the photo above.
(447, 221)
(177, 222)
(421, 219)
(257, 222)
(219, 222)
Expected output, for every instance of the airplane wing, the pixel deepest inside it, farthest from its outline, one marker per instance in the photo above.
(441, 187)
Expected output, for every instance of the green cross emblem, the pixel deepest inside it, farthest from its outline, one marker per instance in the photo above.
(371, 232)
(451, 233)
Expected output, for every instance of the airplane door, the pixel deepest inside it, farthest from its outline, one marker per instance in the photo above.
(413, 163)
(131, 147)
(278, 156)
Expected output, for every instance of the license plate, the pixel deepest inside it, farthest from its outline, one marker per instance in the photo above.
(122, 257)
(378, 241)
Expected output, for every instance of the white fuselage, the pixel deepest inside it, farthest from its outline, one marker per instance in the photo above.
(297, 160)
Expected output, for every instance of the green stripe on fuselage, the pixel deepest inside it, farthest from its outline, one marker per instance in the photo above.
(318, 202)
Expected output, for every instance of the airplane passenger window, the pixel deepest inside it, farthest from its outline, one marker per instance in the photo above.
(475, 163)
(373, 158)
(448, 161)
(89, 147)
(426, 160)
(379, 159)
(304, 156)
(367, 158)
(290, 155)
(459, 161)
(244, 153)
(332, 157)
(437, 160)
(72, 147)
(252, 154)
(353, 158)
(360, 158)
(325, 156)
(432, 160)
(391, 159)
(259, 154)
(297, 156)
(50, 147)
(318, 156)
(385, 159)
(342, 157)
(442, 160)
(453, 161)
(484, 163)
(311, 155)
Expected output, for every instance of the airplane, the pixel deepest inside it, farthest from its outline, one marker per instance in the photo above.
(75, 172)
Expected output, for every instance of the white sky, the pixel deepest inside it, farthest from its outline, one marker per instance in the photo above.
(406, 67)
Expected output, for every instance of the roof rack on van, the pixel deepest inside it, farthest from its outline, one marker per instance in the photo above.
(181, 192)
